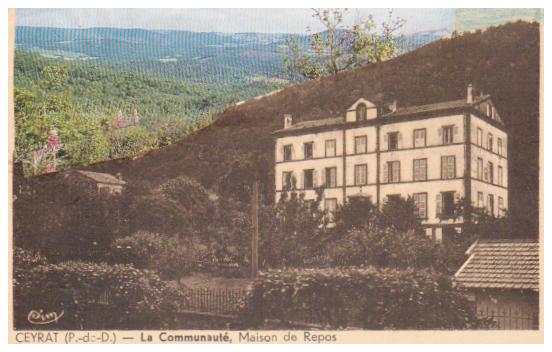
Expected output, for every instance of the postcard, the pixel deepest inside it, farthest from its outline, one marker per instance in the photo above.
(280, 176)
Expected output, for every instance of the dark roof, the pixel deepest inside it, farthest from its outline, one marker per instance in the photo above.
(313, 124)
(447, 105)
(102, 177)
(509, 264)
(400, 112)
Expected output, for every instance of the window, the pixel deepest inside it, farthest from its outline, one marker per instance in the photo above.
(420, 169)
(448, 134)
(500, 205)
(448, 167)
(308, 150)
(330, 204)
(490, 167)
(287, 180)
(308, 179)
(420, 138)
(480, 137)
(288, 152)
(447, 199)
(490, 204)
(499, 146)
(480, 168)
(393, 198)
(360, 144)
(420, 202)
(361, 172)
(480, 201)
(361, 112)
(331, 177)
(393, 171)
(500, 175)
(490, 142)
(393, 140)
(489, 110)
(330, 147)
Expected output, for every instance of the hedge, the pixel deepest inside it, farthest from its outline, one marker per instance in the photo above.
(367, 298)
(171, 257)
(95, 296)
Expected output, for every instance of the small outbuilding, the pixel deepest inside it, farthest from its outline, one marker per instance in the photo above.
(502, 278)
(103, 182)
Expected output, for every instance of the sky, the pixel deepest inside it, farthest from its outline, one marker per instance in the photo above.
(224, 20)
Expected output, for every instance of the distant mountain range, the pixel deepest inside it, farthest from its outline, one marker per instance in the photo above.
(205, 56)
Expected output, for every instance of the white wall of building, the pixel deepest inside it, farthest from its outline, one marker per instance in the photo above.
(406, 153)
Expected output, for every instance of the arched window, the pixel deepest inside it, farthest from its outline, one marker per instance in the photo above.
(361, 112)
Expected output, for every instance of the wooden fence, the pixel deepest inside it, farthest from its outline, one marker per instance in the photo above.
(213, 300)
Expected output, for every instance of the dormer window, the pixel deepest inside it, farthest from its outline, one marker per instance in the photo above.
(361, 112)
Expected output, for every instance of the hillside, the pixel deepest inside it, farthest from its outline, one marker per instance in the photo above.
(206, 57)
(502, 61)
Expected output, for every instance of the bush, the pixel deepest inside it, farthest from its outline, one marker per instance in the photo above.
(178, 206)
(170, 256)
(383, 247)
(95, 296)
(368, 298)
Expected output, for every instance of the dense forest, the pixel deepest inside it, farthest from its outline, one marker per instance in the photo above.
(101, 112)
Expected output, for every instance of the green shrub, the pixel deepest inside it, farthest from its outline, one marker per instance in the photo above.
(95, 296)
(384, 247)
(368, 298)
(170, 256)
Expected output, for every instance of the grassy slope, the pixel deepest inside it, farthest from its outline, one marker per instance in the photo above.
(502, 61)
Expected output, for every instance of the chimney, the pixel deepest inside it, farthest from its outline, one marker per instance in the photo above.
(392, 106)
(288, 121)
(470, 94)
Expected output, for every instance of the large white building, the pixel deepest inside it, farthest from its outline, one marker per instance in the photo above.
(436, 153)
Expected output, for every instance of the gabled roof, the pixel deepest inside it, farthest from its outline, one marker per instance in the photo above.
(102, 177)
(507, 264)
(402, 112)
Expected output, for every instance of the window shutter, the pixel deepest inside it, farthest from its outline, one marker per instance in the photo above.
(292, 152)
(399, 140)
(304, 150)
(323, 177)
(314, 150)
(314, 178)
(293, 180)
(385, 173)
(302, 184)
(455, 129)
(438, 205)
(385, 140)
(440, 132)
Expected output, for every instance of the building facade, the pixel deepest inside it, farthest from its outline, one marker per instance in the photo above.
(437, 154)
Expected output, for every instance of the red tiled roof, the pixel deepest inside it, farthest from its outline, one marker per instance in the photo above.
(512, 264)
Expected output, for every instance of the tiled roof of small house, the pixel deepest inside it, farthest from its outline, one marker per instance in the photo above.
(102, 177)
(507, 264)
